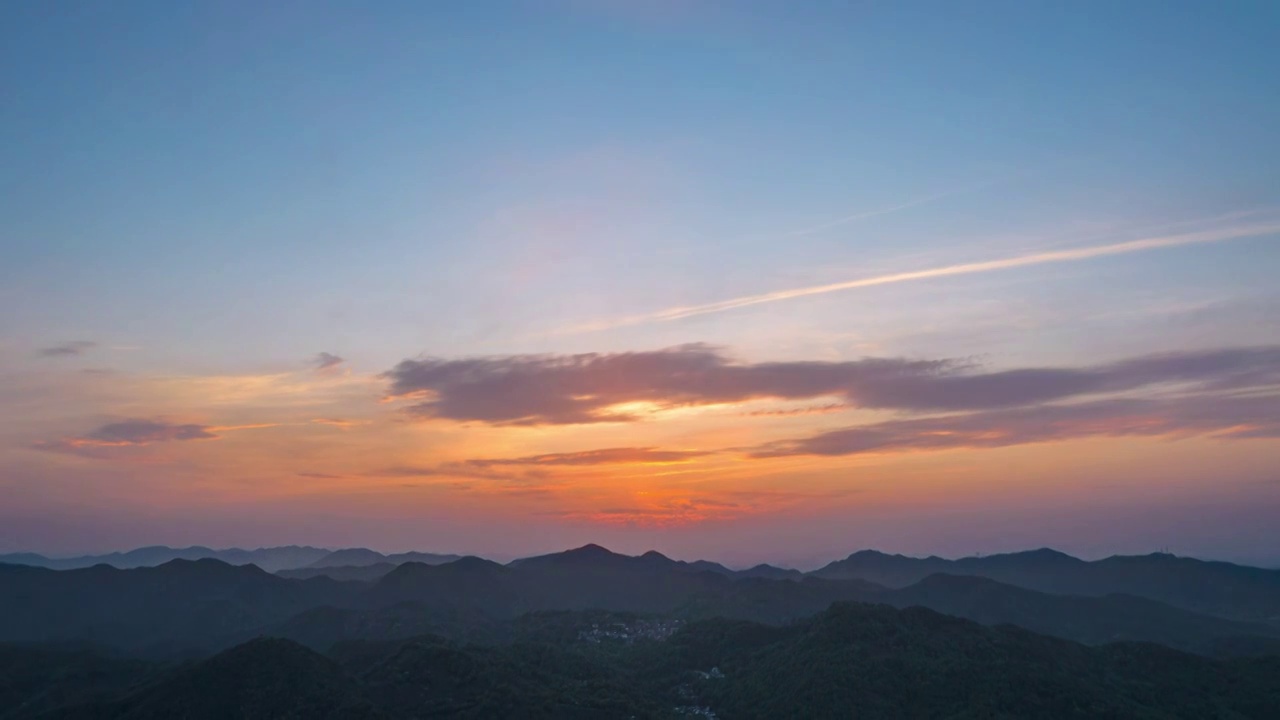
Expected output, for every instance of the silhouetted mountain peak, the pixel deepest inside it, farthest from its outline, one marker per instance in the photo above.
(411, 572)
(209, 566)
(1044, 553)
(470, 563)
(770, 572)
(590, 553)
(268, 648)
(873, 555)
(349, 556)
(709, 566)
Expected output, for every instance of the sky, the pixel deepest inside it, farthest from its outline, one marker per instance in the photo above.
(745, 281)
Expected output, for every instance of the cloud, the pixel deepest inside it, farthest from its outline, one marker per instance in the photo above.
(319, 476)
(1041, 258)
(567, 389)
(126, 434)
(453, 470)
(73, 348)
(680, 509)
(145, 432)
(1231, 417)
(69, 446)
(326, 362)
(606, 456)
(410, 471)
(534, 467)
(793, 412)
(592, 388)
(663, 514)
(341, 423)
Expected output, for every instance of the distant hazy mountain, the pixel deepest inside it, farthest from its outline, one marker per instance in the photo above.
(356, 557)
(269, 559)
(769, 572)
(360, 573)
(1214, 588)
(272, 559)
(654, 559)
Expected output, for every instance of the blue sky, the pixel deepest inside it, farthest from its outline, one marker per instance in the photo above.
(227, 189)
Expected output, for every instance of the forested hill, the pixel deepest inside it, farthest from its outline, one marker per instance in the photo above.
(852, 660)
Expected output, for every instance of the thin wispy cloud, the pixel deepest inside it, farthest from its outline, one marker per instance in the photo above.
(340, 423)
(1215, 235)
(452, 470)
(326, 362)
(124, 434)
(134, 433)
(605, 456)
(535, 466)
(68, 349)
(145, 432)
(868, 214)
(1220, 417)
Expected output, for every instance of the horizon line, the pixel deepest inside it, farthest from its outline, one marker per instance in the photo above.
(463, 555)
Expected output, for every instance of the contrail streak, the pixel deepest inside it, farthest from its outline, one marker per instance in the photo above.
(1042, 258)
(875, 213)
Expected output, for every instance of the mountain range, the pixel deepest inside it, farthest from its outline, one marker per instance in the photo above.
(589, 633)
(192, 607)
(272, 559)
(1210, 587)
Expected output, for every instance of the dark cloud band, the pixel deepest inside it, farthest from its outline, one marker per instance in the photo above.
(1199, 415)
(125, 434)
(589, 388)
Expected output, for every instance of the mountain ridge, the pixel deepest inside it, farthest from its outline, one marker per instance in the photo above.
(882, 661)
(1213, 587)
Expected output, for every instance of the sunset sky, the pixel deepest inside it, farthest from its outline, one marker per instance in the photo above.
(747, 281)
